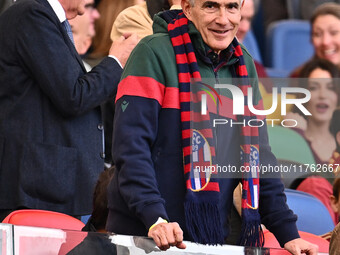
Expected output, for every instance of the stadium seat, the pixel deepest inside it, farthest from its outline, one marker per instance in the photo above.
(251, 44)
(313, 216)
(292, 152)
(277, 73)
(288, 44)
(271, 242)
(85, 218)
(43, 218)
(289, 145)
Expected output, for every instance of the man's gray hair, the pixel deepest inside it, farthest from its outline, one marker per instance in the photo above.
(192, 2)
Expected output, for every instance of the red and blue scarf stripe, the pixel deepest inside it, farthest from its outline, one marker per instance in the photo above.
(202, 199)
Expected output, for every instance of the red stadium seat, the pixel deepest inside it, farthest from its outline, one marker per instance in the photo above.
(43, 218)
(271, 242)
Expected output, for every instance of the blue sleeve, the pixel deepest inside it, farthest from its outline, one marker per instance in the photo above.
(274, 211)
(135, 131)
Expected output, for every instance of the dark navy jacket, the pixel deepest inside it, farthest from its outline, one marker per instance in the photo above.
(149, 180)
(51, 145)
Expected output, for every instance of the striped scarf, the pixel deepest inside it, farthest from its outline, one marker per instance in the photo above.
(202, 216)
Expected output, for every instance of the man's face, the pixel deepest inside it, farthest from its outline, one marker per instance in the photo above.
(216, 20)
(84, 24)
(247, 14)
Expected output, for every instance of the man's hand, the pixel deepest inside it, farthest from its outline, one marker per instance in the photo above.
(122, 47)
(166, 235)
(299, 246)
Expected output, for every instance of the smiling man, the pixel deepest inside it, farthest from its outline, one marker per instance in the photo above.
(153, 192)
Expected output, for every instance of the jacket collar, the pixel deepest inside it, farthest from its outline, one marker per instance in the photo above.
(57, 21)
(58, 10)
(204, 52)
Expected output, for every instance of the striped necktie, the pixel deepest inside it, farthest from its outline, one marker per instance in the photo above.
(68, 30)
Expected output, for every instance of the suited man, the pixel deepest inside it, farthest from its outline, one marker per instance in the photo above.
(51, 145)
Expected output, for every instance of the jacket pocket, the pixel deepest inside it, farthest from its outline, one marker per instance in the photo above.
(48, 172)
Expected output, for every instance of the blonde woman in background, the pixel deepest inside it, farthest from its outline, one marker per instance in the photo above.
(139, 18)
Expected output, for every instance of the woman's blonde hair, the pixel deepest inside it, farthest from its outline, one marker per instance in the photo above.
(109, 10)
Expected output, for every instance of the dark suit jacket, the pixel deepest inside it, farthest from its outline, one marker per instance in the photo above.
(4, 4)
(51, 144)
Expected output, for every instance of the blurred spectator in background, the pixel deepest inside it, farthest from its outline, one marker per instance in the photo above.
(97, 221)
(247, 14)
(335, 129)
(323, 84)
(335, 241)
(109, 10)
(83, 28)
(335, 161)
(325, 36)
(326, 32)
(335, 205)
(138, 18)
(324, 91)
(335, 197)
(322, 189)
(134, 19)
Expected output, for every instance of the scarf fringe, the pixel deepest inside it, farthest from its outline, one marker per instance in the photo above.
(204, 223)
(251, 233)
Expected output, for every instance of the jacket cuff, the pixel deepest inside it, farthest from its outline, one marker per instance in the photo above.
(117, 60)
(152, 212)
(114, 62)
(285, 232)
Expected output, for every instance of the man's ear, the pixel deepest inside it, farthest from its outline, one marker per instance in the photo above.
(334, 203)
(242, 3)
(186, 7)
